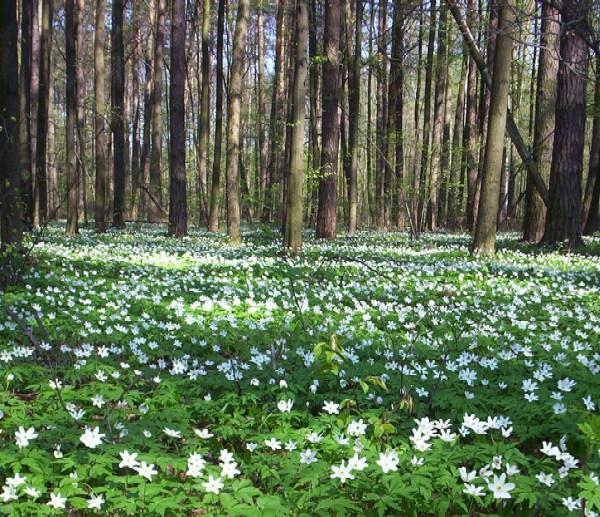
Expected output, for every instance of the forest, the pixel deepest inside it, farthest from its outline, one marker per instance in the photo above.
(300, 257)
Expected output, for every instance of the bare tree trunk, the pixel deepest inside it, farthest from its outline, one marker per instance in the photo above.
(314, 74)
(591, 210)
(118, 113)
(204, 115)
(215, 192)
(40, 197)
(136, 56)
(233, 124)
(10, 152)
(563, 217)
(72, 28)
(543, 132)
(263, 149)
(485, 233)
(381, 117)
(441, 73)
(397, 82)
(80, 146)
(177, 180)
(99, 127)
(326, 215)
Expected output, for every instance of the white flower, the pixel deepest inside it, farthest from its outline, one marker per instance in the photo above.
(214, 485)
(545, 479)
(146, 470)
(285, 406)
(388, 461)
(203, 433)
(308, 456)
(128, 460)
(32, 492)
(196, 465)
(251, 446)
(291, 445)
(95, 502)
(172, 432)
(273, 444)
(357, 428)
(343, 472)
(57, 501)
(229, 470)
(356, 463)
(467, 476)
(589, 403)
(23, 437)
(16, 481)
(571, 504)
(473, 490)
(500, 488)
(9, 493)
(331, 407)
(98, 401)
(91, 437)
(313, 437)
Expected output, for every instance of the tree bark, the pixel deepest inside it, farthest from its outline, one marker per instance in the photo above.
(10, 146)
(233, 124)
(381, 117)
(543, 132)
(118, 113)
(177, 180)
(326, 214)
(99, 127)
(485, 232)
(563, 217)
(204, 114)
(397, 80)
(215, 192)
(591, 211)
(72, 28)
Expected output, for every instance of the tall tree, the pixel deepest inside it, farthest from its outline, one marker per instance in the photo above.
(118, 112)
(295, 198)
(563, 217)
(40, 195)
(72, 28)
(326, 215)
(99, 126)
(233, 123)
(155, 190)
(277, 119)
(354, 116)
(591, 210)
(204, 114)
(543, 132)
(215, 192)
(10, 157)
(263, 149)
(485, 232)
(177, 181)
(397, 83)
(381, 116)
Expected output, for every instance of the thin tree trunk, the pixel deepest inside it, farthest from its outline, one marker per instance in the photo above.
(233, 124)
(204, 115)
(397, 80)
(215, 192)
(99, 127)
(136, 56)
(118, 113)
(263, 149)
(485, 232)
(543, 133)
(177, 180)
(72, 27)
(591, 211)
(381, 117)
(326, 215)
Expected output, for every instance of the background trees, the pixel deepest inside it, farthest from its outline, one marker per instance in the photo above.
(402, 88)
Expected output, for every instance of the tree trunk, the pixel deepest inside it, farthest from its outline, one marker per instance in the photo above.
(72, 28)
(326, 214)
(118, 113)
(441, 72)
(543, 132)
(381, 117)
(485, 233)
(99, 128)
(204, 114)
(563, 217)
(591, 212)
(40, 195)
(136, 57)
(263, 149)
(177, 181)
(215, 192)
(397, 80)
(10, 112)
(233, 124)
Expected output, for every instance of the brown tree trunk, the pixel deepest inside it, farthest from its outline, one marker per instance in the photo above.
(233, 124)
(381, 117)
(543, 132)
(485, 232)
(204, 115)
(591, 211)
(326, 215)
(263, 149)
(177, 180)
(40, 197)
(215, 192)
(118, 113)
(72, 28)
(563, 217)
(99, 127)
(10, 151)
(136, 57)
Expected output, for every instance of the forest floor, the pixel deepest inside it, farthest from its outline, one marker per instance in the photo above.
(370, 375)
